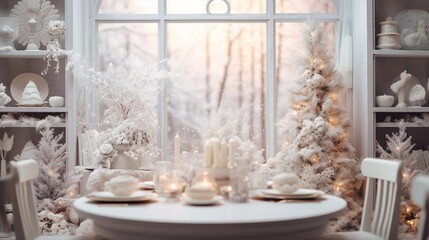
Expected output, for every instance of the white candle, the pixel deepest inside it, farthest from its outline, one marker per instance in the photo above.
(177, 151)
(231, 152)
(208, 153)
(3, 168)
(224, 155)
(216, 152)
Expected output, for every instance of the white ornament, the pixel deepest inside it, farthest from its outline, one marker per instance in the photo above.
(31, 95)
(398, 88)
(417, 95)
(56, 101)
(9, 28)
(34, 17)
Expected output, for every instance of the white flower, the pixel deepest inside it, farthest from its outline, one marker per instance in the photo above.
(42, 214)
(51, 215)
(54, 226)
(56, 28)
(7, 142)
(106, 149)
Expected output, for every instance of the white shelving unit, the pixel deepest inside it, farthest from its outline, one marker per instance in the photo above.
(375, 70)
(20, 61)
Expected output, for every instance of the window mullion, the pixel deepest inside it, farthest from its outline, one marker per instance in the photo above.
(162, 54)
(270, 83)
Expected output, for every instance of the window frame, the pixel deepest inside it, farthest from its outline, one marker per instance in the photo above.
(270, 18)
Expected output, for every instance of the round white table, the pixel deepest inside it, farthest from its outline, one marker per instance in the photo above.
(253, 220)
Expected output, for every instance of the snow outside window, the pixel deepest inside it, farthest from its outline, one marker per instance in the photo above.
(243, 53)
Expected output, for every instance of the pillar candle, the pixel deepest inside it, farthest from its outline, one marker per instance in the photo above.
(3, 168)
(216, 152)
(208, 153)
(223, 155)
(232, 148)
(177, 151)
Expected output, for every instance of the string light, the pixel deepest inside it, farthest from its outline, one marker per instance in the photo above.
(50, 172)
(397, 148)
(314, 158)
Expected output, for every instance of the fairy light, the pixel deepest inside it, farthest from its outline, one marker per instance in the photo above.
(408, 210)
(314, 159)
(397, 148)
(333, 96)
(50, 172)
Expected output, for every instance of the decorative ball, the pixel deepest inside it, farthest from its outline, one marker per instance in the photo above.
(384, 100)
(56, 101)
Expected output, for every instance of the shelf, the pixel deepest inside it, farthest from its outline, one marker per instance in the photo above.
(401, 53)
(402, 110)
(33, 110)
(406, 124)
(20, 125)
(27, 54)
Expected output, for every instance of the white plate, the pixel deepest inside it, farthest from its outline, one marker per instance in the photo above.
(214, 200)
(274, 194)
(138, 196)
(19, 82)
(147, 185)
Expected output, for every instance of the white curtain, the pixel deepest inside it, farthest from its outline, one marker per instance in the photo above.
(345, 46)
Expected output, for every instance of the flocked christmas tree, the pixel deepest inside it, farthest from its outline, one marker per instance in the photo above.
(55, 187)
(316, 130)
(400, 147)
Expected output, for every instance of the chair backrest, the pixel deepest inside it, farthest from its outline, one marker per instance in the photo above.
(5, 183)
(382, 197)
(26, 223)
(420, 195)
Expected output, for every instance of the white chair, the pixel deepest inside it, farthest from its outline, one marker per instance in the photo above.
(420, 195)
(380, 219)
(5, 231)
(26, 224)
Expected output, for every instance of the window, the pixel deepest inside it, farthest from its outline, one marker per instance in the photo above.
(241, 52)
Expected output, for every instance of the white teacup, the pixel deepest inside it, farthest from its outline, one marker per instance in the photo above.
(122, 185)
(56, 101)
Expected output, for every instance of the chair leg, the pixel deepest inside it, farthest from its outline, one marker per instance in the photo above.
(4, 225)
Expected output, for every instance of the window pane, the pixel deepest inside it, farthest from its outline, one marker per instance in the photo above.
(289, 47)
(305, 6)
(219, 61)
(129, 6)
(217, 6)
(135, 42)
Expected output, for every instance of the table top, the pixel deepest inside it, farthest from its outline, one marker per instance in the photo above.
(178, 212)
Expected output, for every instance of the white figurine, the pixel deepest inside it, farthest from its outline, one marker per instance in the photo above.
(4, 98)
(398, 88)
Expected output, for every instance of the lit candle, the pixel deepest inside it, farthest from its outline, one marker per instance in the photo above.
(177, 151)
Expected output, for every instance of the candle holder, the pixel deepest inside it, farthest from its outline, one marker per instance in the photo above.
(203, 186)
(168, 183)
(239, 180)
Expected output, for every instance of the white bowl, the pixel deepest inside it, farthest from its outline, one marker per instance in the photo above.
(384, 100)
(56, 101)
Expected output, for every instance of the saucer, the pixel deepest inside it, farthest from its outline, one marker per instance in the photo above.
(150, 185)
(299, 194)
(389, 46)
(138, 196)
(216, 199)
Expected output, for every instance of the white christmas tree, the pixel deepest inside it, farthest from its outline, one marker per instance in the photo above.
(400, 147)
(316, 131)
(55, 187)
